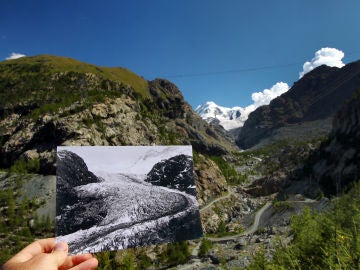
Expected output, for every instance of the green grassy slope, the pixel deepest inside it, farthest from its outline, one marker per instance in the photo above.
(27, 75)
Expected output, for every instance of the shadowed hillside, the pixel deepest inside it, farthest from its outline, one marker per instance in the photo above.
(309, 104)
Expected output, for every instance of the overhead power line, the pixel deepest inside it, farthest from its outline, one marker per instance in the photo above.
(249, 69)
(230, 71)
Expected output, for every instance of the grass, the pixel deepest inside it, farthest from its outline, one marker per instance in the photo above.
(205, 246)
(30, 74)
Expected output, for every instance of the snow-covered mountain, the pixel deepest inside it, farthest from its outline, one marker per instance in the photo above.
(229, 118)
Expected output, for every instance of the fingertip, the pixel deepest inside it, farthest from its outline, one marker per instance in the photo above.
(94, 262)
(61, 246)
(60, 252)
(78, 259)
(88, 264)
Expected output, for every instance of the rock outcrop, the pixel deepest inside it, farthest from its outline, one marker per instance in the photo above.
(175, 173)
(210, 182)
(72, 169)
(316, 96)
(82, 212)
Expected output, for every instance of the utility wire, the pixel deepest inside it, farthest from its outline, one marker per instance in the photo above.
(249, 69)
(231, 71)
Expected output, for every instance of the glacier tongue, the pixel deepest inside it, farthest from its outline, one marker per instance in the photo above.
(138, 213)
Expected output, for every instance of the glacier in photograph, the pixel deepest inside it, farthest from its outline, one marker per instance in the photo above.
(108, 210)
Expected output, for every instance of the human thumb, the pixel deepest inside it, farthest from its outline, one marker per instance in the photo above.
(60, 253)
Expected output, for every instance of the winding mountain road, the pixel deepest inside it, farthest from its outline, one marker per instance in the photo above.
(217, 200)
(249, 230)
(253, 228)
(258, 215)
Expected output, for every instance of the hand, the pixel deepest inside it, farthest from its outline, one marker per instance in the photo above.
(46, 255)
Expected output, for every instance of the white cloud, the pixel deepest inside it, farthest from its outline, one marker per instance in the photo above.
(264, 97)
(331, 57)
(15, 56)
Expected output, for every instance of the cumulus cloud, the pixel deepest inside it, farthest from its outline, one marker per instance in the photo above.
(264, 97)
(15, 56)
(331, 57)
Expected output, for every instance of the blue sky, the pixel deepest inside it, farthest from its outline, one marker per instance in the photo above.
(212, 50)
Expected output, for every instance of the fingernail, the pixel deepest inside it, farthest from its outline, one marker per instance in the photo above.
(61, 246)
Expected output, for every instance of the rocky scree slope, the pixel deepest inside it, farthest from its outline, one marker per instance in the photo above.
(48, 101)
(316, 96)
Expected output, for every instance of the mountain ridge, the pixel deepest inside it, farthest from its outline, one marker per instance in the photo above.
(315, 96)
(58, 64)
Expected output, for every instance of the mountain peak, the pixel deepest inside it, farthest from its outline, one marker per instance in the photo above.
(229, 118)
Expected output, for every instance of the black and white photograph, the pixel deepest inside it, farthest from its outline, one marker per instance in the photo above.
(117, 197)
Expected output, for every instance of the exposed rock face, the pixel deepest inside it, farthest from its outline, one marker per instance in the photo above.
(337, 163)
(169, 98)
(174, 173)
(85, 212)
(72, 169)
(190, 127)
(210, 182)
(120, 116)
(318, 95)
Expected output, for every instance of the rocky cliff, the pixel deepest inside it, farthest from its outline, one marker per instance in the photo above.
(337, 162)
(313, 99)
